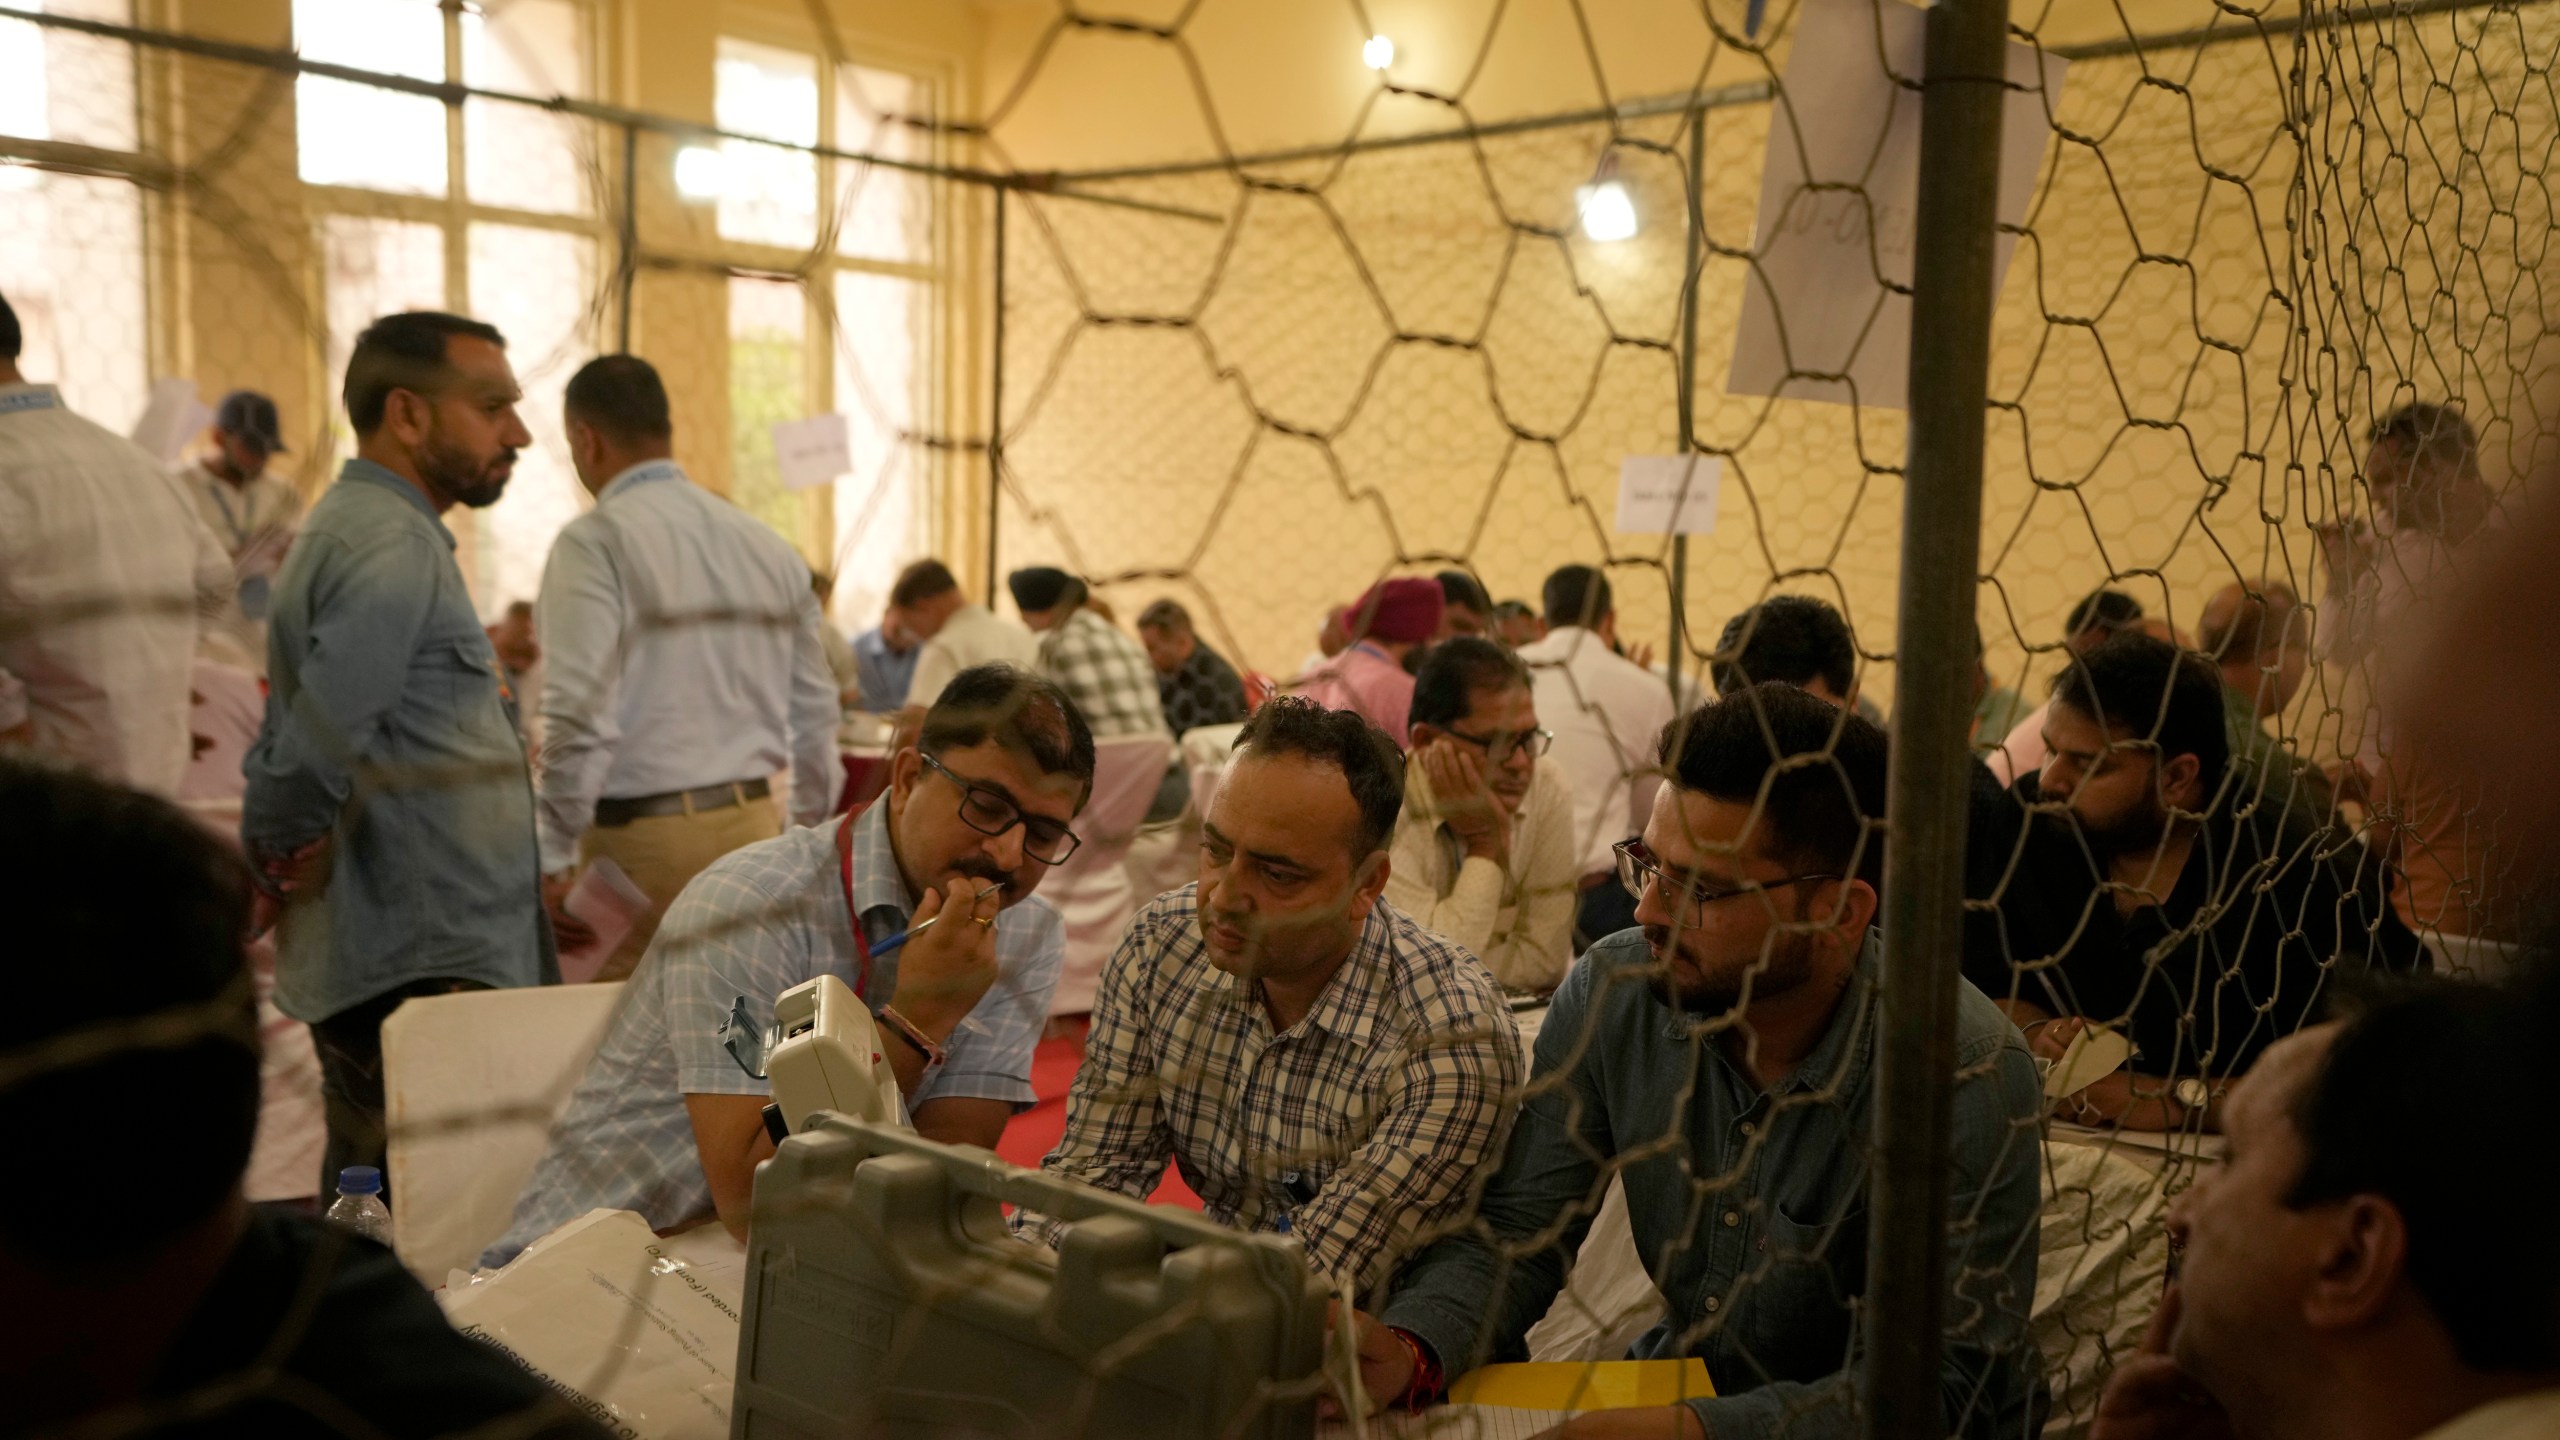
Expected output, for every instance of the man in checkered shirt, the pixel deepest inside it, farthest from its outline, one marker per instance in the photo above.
(1105, 670)
(1315, 1061)
(665, 1123)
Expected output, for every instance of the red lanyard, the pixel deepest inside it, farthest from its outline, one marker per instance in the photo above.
(861, 947)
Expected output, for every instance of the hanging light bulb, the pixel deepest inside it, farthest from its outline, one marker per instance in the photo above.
(1607, 211)
(1378, 53)
(702, 173)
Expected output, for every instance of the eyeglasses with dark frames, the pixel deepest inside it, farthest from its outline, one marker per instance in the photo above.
(1638, 868)
(1500, 748)
(989, 813)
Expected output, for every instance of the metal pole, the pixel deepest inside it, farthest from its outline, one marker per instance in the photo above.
(995, 409)
(627, 274)
(1697, 241)
(1951, 307)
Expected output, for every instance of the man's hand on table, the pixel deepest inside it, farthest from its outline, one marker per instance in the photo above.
(1654, 1422)
(951, 963)
(1386, 1366)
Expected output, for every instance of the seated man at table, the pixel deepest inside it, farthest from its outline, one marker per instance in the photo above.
(1484, 851)
(164, 1290)
(665, 1122)
(2375, 1257)
(1722, 1062)
(2200, 935)
(1314, 1060)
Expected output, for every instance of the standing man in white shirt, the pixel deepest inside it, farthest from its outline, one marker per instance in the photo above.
(956, 634)
(105, 577)
(251, 514)
(1607, 714)
(683, 665)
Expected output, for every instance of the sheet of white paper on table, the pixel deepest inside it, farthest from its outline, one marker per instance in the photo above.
(606, 899)
(812, 452)
(1668, 494)
(1844, 121)
(1452, 1422)
(173, 416)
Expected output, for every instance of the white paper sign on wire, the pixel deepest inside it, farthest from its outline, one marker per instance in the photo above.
(172, 417)
(1668, 494)
(813, 452)
(1816, 298)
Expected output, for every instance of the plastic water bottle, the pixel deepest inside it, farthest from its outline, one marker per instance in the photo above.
(359, 1204)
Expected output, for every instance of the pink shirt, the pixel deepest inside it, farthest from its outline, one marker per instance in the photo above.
(1367, 681)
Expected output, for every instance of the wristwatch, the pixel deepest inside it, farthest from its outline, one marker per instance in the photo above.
(2191, 1093)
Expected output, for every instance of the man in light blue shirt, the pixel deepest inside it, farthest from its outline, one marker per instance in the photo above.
(683, 664)
(884, 657)
(1721, 1062)
(388, 810)
(666, 1124)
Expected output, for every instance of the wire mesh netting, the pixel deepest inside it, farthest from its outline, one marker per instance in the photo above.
(2267, 358)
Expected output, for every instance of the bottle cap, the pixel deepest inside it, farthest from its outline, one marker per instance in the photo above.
(360, 1180)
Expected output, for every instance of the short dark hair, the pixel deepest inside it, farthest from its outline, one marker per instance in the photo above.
(1820, 768)
(2143, 688)
(13, 340)
(922, 580)
(1453, 671)
(1025, 713)
(1795, 638)
(1369, 761)
(2245, 622)
(407, 351)
(2428, 431)
(1460, 589)
(2108, 610)
(1165, 615)
(622, 396)
(1576, 595)
(2404, 1107)
(169, 974)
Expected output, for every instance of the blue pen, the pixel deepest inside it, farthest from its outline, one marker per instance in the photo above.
(890, 946)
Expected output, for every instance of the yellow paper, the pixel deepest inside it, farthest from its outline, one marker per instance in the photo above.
(1585, 1384)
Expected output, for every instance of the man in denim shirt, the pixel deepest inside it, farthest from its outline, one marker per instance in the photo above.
(1722, 1061)
(388, 810)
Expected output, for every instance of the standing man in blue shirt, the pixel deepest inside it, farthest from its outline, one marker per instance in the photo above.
(388, 810)
(684, 664)
(1721, 1060)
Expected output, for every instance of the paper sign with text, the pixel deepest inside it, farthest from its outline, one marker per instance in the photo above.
(812, 452)
(1818, 302)
(1668, 494)
(173, 417)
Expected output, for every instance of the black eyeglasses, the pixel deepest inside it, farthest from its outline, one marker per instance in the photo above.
(1499, 748)
(1637, 869)
(989, 813)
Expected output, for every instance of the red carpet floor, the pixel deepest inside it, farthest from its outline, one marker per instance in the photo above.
(1035, 1131)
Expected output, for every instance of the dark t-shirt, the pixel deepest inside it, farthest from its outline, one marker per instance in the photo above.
(2267, 908)
(374, 1347)
(1205, 691)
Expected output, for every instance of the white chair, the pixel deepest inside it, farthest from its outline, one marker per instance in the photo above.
(1206, 752)
(1093, 891)
(471, 1085)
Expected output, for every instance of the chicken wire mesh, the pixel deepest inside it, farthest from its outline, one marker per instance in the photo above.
(1257, 384)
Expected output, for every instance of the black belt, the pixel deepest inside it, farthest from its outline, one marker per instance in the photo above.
(610, 813)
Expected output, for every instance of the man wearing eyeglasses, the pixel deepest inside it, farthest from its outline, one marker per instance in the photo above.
(1484, 851)
(1721, 1061)
(1316, 1062)
(665, 1123)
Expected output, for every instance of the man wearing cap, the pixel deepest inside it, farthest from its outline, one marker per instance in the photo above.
(252, 514)
(1388, 623)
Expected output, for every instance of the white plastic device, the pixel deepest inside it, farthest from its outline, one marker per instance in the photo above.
(827, 1056)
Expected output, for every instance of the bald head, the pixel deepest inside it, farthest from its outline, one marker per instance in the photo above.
(2254, 634)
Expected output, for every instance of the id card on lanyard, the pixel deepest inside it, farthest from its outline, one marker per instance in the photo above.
(861, 946)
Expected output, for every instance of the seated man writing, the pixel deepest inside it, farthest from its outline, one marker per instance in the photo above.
(1314, 1060)
(1484, 851)
(1721, 1061)
(665, 1122)
(2202, 936)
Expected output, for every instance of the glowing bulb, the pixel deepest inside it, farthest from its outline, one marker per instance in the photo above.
(1378, 53)
(702, 173)
(1607, 213)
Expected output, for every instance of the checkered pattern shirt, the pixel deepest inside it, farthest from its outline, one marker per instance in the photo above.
(1384, 1101)
(759, 921)
(1106, 673)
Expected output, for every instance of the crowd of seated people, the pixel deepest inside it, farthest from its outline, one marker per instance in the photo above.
(1460, 798)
